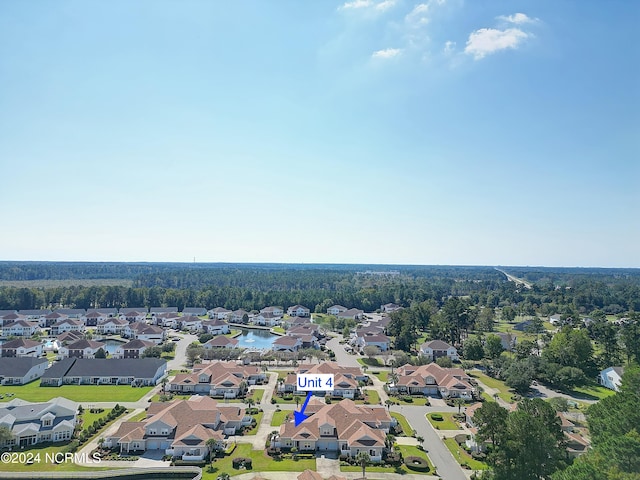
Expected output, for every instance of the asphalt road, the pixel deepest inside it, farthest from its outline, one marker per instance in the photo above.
(446, 466)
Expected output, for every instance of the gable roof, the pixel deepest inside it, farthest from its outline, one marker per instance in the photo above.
(112, 367)
(18, 366)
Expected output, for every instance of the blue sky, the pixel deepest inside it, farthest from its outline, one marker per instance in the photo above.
(371, 131)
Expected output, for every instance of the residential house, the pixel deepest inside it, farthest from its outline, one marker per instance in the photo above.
(305, 329)
(156, 310)
(287, 344)
(33, 423)
(390, 307)
(219, 313)
(72, 312)
(126, 310)
(67, 325)
(21, 328)
(93, 317)
(267, 319)
(298, 311)
(346, 379)
(311, 475)
(373, 340)
(170, 320)
(611, 378)
(555, 319)
(68, 337)
(21, 370)
(21, 348)
(216, 326)
(342, 427)
(191, 323)
(10, 316)
(37, 314)
(82, 348)
(275, 311)
(432, 379)
(108, 311)
(102, 371)
(133, 349)
(194, 311)
(435, 349)
(352, 314)
(336, 309)
(217, 379)
(144, 331)
(240, 316)
(221, 342)
(53, 318)
(134, 316)
(181, 428)
(113, 326)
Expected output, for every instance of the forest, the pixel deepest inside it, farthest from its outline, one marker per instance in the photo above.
(253, 286)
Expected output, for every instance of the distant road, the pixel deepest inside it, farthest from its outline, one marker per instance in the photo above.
(518, 281)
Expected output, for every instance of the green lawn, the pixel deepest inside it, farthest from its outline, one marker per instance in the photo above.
(279, 417)
(261, 463)
(372, 397)
(382, 376)
(278, 330)
(283, 374)
(407, 451)
(406, 428)
(258, 418)
(292, 401)
(462, 457)
(592, 392)
(233, 333)
(257, 394)
(419, 401)
(504, 391)
(447, 422)
(33, 392)
(370, 362)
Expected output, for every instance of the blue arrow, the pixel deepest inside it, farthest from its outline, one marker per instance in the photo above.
(300, 417)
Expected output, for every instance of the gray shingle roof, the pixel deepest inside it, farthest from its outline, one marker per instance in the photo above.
(18, 366)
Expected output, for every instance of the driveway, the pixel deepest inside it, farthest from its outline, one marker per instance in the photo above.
(446, 466)
(343, 358)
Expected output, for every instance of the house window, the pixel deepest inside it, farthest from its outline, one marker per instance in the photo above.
(46, 423)
(373, 453)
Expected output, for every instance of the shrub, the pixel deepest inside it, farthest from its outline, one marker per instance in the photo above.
(416, 463)
(436, 417)
(408, 398)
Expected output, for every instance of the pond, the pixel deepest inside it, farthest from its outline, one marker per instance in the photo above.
(256, 339)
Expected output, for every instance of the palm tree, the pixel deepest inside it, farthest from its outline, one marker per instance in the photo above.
(297, 399)
(393, 378)
(458, 402)
(251, 402)
(389, 440)
(363, 459)
(388, 403)
(212, 445)
(420, 440)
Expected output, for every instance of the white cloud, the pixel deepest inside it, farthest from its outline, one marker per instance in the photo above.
(518, 18)
(356, 4)
(490, 40)
(421, 13)
(387, 53)
(385, 5)
(366, 4)
(449, 47)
